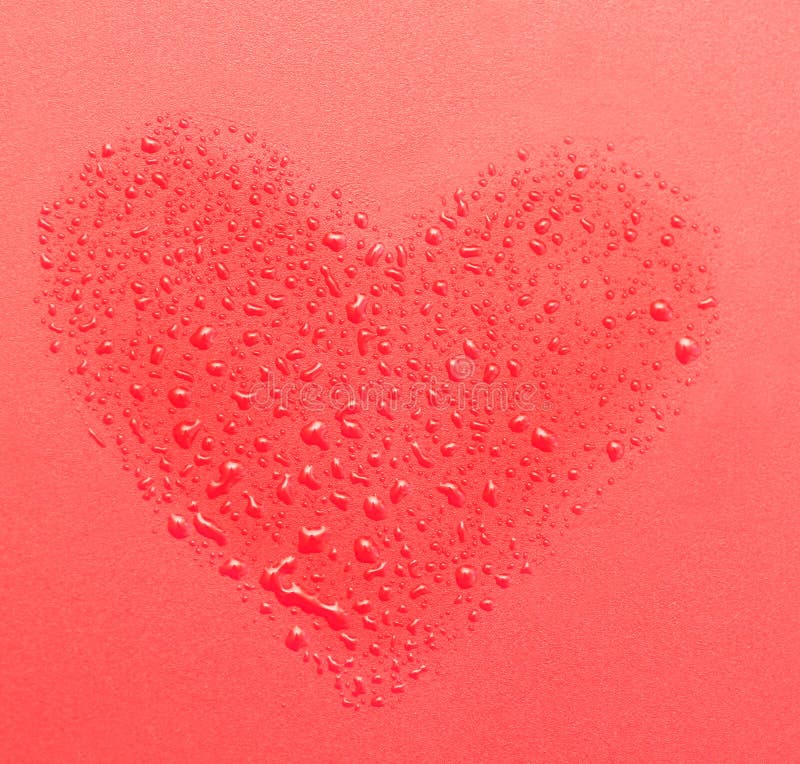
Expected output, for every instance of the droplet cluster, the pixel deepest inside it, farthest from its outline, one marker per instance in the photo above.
(373, 434)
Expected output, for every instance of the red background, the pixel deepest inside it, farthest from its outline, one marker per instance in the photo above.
(668, 629)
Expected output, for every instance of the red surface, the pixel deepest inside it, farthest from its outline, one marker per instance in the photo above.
(666, 629)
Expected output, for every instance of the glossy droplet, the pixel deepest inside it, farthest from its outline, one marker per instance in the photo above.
(178, 526)
(544, 440)
(314, 434)
(399, 490)
(615, 450)
(150, 145)
(296, 639)
(455, 496)
(490, 493)
(234, 569)
(687, 350)
(209, 529)
(356, 310)
(433, 236)
(460, 368)
(202, 338)
(374, 508)
(312, 540)
(661, 310)
(180, 397)
(519, 423)
(466, 576)
(335, 241)
(365, 550)
(230, 472)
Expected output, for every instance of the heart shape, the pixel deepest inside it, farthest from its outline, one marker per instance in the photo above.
(375, 433)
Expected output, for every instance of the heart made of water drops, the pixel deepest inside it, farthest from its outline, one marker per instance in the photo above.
(373, 434)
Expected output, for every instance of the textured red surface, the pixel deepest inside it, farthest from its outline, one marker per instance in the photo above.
(665, 629)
